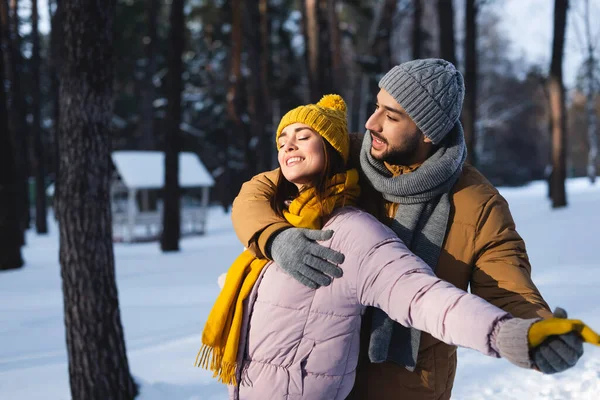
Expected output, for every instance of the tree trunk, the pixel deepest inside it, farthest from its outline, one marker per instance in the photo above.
(171, 233)
(257, 37)
(384, 46)
(21, 115)
(98, 366)
(417, 30)
(265, 73)
(10, 231)
(317, 45)
(470, 105)
(446, 28)
(338, 76)
(592, 125)
(17, 124)
(235, 68)
(557, 107)
(377, 59)
(146, 125)
(235, 92)
(16, 118)
(55, 43)
(40, 175)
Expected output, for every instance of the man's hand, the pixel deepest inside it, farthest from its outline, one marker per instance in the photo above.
(297, 252)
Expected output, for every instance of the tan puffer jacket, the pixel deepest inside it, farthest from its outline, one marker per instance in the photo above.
(482, 250)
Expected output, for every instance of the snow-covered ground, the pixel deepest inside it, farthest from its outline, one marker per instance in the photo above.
(165, 299)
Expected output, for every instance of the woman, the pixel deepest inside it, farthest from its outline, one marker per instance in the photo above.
(270, 337)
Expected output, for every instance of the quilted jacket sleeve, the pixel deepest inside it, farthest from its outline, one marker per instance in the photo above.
(502, 273)
(392, 278)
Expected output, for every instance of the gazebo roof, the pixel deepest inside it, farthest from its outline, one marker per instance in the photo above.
(146, 169)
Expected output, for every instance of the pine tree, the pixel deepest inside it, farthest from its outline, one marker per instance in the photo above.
(40, 174)
(98, 366)
(470, 105)
(171, 212)
(446, 30)
(10, 240)
(557, 107)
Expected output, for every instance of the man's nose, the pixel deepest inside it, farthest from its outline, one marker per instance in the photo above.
(373, 123)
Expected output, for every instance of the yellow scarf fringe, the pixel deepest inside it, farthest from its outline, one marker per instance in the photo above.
(221, 335)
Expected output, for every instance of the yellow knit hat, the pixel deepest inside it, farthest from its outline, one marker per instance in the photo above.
(327, 118)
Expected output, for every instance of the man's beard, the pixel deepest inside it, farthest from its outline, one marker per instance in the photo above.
(400, 155)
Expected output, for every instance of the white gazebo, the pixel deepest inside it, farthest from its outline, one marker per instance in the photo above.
(135, 194)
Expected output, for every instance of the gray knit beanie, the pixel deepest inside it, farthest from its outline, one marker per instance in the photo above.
(431, 91)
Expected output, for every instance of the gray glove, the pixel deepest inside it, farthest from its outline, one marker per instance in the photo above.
(296, 251)
(556, 354)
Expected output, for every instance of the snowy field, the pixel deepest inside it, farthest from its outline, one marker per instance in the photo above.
(166, 298)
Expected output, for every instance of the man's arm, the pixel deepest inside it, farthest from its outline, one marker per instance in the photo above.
(502, 273)
(268, 235)
(254, 220)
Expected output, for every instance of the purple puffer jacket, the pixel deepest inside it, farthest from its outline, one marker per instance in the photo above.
(299, 343)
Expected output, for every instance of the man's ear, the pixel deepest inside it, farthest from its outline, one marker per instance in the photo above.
(426, 139)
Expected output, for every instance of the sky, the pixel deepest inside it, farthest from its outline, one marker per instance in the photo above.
(529, 24)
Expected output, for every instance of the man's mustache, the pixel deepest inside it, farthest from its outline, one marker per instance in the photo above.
(376, 135)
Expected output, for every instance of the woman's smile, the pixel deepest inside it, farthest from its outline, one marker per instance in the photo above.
(290, 162)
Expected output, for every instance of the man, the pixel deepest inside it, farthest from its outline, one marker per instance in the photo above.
(414, 179)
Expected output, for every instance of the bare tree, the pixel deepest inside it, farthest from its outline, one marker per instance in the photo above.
(446, 30)
(40, 170)
(310, 25)
(98, 366)
(417, 30)
(317, 38)
(146, 125)
(265, 73)
(235, 61)
(171, 233)
(10, 235)
(16, 110)
(257, 92)
(374, 57)
(592, 124)
(54, 64)
(587, 44)
(469, 112)
(557, 107)
(335, 45)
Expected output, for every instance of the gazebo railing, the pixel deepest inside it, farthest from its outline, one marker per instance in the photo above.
(147, 225)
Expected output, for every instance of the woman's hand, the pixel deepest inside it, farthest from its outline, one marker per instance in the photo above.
(550, 346)
(543, 330)
(557, 343)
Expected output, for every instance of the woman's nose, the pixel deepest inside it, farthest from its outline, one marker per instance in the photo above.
(290, 145)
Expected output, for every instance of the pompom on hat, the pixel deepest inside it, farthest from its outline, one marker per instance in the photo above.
(327, 118)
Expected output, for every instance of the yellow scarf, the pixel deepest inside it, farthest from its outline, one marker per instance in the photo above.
(221, 335)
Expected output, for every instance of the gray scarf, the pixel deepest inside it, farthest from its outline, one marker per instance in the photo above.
(421, 221)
